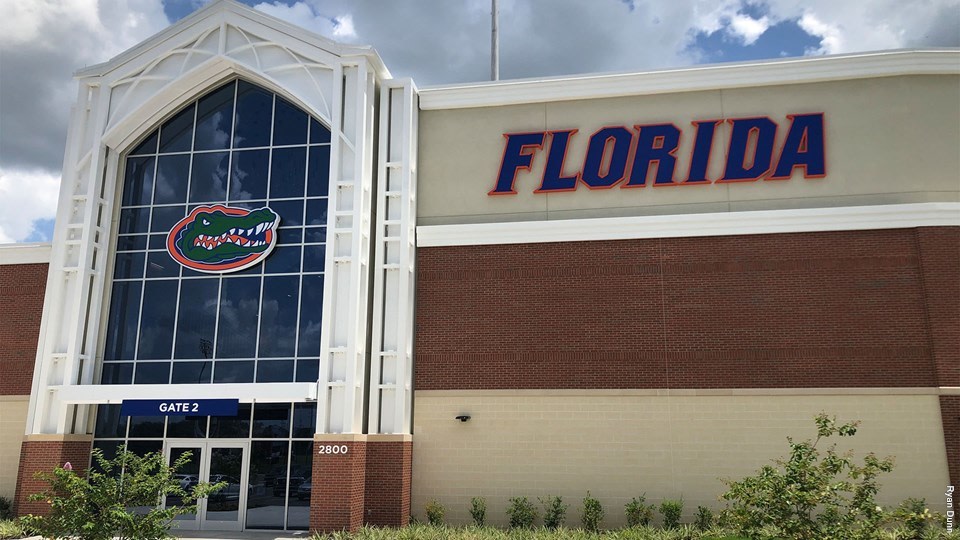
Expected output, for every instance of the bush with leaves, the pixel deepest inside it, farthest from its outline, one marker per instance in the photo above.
(478, 510)
(435, 513)
(671, 510)
(704, 519)
(813, 494)
(915, 517)
(10, 529)
(6, 508)
(554, 511)
(104, 503)
(592, 513)
(638, 512)
(521, 512)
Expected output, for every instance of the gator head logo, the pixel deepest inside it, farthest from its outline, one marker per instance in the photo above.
(223, 239)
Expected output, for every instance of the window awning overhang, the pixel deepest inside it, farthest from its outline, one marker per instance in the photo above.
(99, 394)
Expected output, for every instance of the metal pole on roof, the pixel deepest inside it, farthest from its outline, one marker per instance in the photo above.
(494, 43)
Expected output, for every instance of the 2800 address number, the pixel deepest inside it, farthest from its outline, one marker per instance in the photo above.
(333, 449)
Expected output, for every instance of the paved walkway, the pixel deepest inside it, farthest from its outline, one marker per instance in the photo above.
(247, 535)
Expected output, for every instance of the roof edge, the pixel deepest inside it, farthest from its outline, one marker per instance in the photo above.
(933, 61)
(29, 253)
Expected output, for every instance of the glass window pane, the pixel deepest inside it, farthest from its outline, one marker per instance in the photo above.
(117, 373)
(317, 212)
(283, 260)
(156, 321)
(208, 183)
(288, 171)
(318, 132)
(249, 177)
(141, 448)
(301, 484)
(192, 372)
(197, 318)
(268, 475)
(226, 465)
(271, 421)
(110, 423)
(308, 369)
(187, 427)
(289, 236)
(314, 258)
(148, 146)
(254, 111)
(165, 217)
(129, 265)
(160, 264)
(138, 185)
(172, 175)
(146, 426)
(152, 373)
(132, 243)
(315, 234)
(275, 371)
(239, 300)
(122, 324)
(214, 118)
(134, 220)
(158, 241)
(290, 212)
(177, 133)
(232, 427)
(311, 308)
(289, 124)
(278, 317)
(318, 182)
(304, 420)
(233, 372)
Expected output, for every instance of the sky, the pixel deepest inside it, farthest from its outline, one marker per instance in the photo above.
(42, 42)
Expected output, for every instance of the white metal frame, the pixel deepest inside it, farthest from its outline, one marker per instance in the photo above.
(207, 445)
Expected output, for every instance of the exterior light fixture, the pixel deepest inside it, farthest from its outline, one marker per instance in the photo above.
(463, 417)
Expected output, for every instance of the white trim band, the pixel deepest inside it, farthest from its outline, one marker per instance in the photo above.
(25, 253)
(697, 78)
(852, 218)
(90, 394)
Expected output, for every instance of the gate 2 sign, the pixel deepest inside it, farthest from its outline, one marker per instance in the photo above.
(184, 407)
(617, 153)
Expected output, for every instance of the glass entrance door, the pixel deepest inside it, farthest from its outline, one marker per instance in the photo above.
(213, 462)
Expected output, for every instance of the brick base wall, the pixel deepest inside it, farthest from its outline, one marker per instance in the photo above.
(45, 455)
(389, 474)
(950, 411)
(22, 288)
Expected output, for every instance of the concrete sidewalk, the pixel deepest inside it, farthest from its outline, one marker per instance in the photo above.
(246, 535)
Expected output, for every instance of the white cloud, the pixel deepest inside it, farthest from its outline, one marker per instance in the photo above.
(747, 28)
(25, 196)
(831, 38)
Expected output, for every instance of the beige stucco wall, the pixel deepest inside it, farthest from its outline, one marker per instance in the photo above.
(619, 446)
(13, 421)
(888, 140)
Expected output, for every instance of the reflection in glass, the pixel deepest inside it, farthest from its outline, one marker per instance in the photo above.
(117, 373)
(122, 323)
(197, 319)
(308, 369)
(156, 322)
(311, 308)
(214, 118)
(160, 264)
(314, 258)
(134, 220)
(146, 427)
(254, 111)
(288, 171)
(192, 372)
(152, 373)
(148, 146)
(110, 423)
(283, 260)
(186, 427)
(275, 371)
(188, 475)
(131, 243)
(226, 465)
(278, 316)
(249, 177)
(138, 185)
(290, 212)
(177, 133)
(237, 335)
(318, 181)
(268, 475)
(208, 183)
(232, 427)
(271, 420)
(304, 420)
(172, 175)
(165, 217)
(317, 212)
(301, 485)
(289, 124)
(318, 132)
(233, 372)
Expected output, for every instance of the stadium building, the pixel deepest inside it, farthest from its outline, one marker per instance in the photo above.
(348, 296)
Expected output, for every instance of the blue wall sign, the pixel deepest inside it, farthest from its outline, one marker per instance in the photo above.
(179, 407)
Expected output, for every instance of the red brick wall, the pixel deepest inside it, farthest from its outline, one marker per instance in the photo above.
(940, 262)
(950, 410)
(21, 304)
(831, 309)
(45, 456)
(389, 472)
(336, 502)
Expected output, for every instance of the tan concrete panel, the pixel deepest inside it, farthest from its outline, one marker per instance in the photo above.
(13, 422)
(618, 447)
(888, 140)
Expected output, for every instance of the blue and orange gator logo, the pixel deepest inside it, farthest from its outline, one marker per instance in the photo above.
(219, 238)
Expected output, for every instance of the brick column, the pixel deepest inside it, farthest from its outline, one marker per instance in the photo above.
(339, 481)
(939, 249)
(389, 474)
(950, 412)
(44, 453)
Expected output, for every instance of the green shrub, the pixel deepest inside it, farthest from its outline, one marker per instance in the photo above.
(10, 529)
(915, 517)
(478, 510)
(522, 513)
(812, 494)
(671, 511)
(100, 504)
(6, 509)
(435, 513)
(704, 518)
(638, 512)
(554, 511)
(592, 513)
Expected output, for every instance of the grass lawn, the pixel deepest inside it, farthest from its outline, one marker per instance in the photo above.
(427, 532)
